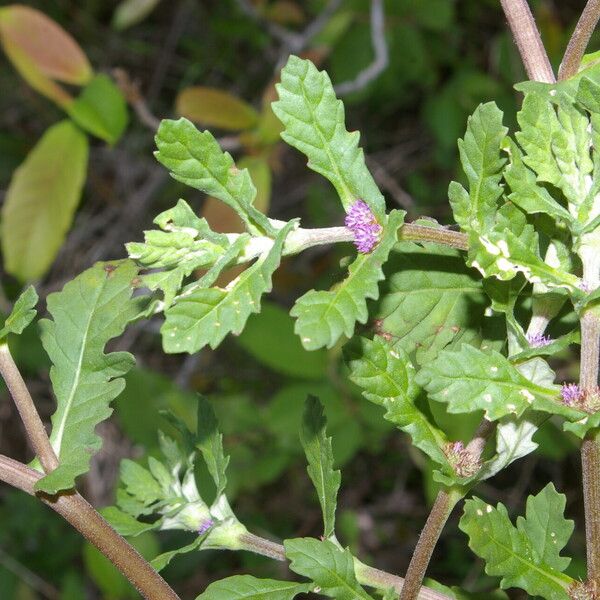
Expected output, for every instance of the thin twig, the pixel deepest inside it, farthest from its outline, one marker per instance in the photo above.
(83, 517)
(579, 40)
(526, 34)
(380, 48)
(386, 181)
(29, 414)
(33, 580)
(134, 97)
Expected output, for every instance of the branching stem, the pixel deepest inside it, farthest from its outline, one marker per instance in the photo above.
(83, 517)
(528, 40)
(579, 40)
(29, 415)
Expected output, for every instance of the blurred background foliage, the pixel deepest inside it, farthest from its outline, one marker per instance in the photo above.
(216, 62)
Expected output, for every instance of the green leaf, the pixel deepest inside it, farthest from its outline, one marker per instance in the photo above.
(210, 443)
(22, 314)
(41, 201)
(274, 328)
(470, 379)
(101, 109)
(246, 587)
(195, 158)
(556, 144)
(526, 556)
(314, 124)
(330, 567)
(185, 244)
(91, 309)
(482, 164)
(526, 194)
(512, 246)
(124, 523)
(206, 316)
(317, 447)
(386, 377)
(162, 560)
(431, 300)
(324, 316)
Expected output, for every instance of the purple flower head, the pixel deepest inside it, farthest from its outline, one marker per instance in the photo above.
(571, 393)
(538, 340)
(361, 221)
(457, 447)
(205, 526)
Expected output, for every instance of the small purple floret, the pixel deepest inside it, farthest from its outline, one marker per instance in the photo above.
(571, 393)
(457, 447)
(361, 221)
(205, 526)
(538, 340)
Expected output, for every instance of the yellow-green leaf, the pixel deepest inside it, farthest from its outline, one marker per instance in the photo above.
(41, 200)
(215, 108)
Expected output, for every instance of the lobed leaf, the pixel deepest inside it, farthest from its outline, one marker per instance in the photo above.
(528, 555)
(210, 443)
(317, 447)
(205, 316)
(470, 379)
(91, 309)
(41, 200)
(246, 587)
(481, 161)
(431, 300)
(195, 158)
(22, 314)
(330, 567)
(314, 124)
(324, 316)
(386, 377)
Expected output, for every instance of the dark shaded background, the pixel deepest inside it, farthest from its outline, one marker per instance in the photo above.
(445, 58)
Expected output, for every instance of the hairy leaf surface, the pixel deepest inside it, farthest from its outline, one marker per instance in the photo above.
(314, 124)
(470, 379)
(330, 567)
(205, 316)
(324, 316)
(528, 555)
(196, 159)
(246, 587)
(317, 447)
(386, 377)
(90, 310)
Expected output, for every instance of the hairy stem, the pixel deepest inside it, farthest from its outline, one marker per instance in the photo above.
(526, 34)
(579, 40)
(442, 507)
(29, 415)
(590, 447)
(83, 517)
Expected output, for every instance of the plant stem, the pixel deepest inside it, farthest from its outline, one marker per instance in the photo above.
(442, 507)
(526, 34)
(579, 40)
(365, 574)
(29, 415)
(438, 235)
(83, 517)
